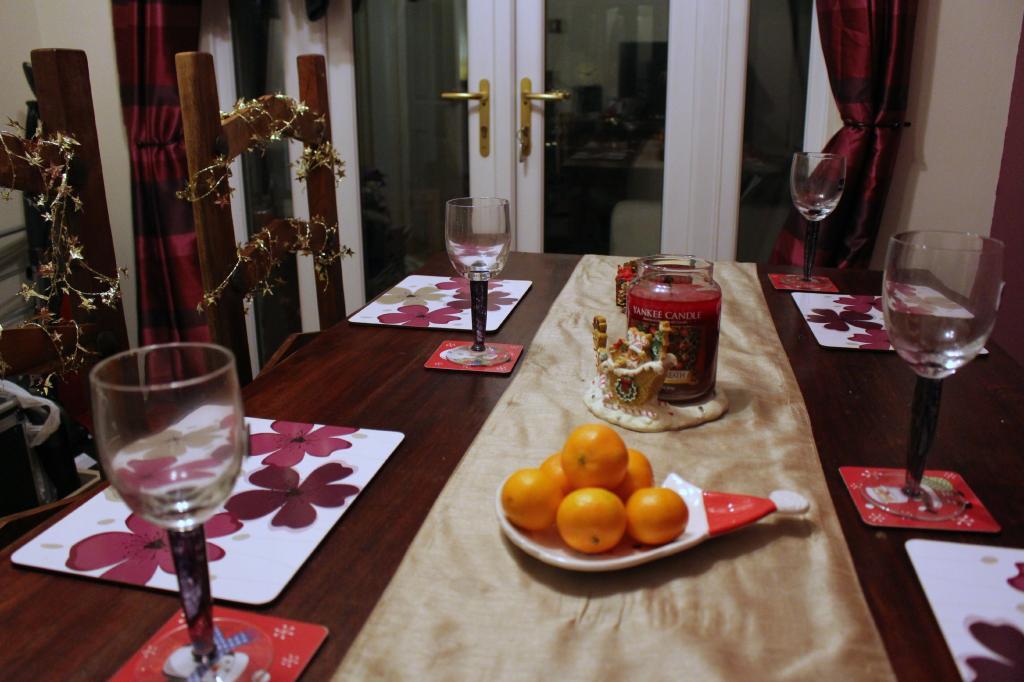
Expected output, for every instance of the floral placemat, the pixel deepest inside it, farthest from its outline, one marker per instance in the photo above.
(977, 595)
(844, 320)
(296, 483)
(441, 303)
(856, 321)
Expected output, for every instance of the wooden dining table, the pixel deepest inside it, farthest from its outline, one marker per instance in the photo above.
(56, 626)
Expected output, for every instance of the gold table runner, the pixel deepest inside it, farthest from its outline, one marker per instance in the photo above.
(776, 600)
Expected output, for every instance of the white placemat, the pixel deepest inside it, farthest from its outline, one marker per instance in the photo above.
(440, 303)
(297, 482)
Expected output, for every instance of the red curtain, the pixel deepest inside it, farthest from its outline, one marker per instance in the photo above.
(867, 46)
(147, 34)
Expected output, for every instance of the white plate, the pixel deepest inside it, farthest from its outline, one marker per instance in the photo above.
(548, 546)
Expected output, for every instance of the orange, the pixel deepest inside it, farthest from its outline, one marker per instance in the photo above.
(594, 456)
(655, 515)
(591, 520)
(553, 466)
(638, 475)
(530, 499)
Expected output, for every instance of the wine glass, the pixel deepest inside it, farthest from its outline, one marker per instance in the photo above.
(476, 235)
(940, 295)
(170, 433)
(816, 184)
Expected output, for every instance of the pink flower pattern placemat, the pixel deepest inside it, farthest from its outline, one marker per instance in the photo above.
(296, 483)
(856, 321)
(440, 303)
(844, 320)
(977, 595)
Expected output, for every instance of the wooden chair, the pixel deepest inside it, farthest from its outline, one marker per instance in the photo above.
(64, 94)
(65, 105)
(206, 138)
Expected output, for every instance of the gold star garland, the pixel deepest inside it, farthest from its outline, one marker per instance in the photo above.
(264, 243)
(57, 201)
(214, 181)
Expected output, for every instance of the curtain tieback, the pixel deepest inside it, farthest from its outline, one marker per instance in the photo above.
(859, 124)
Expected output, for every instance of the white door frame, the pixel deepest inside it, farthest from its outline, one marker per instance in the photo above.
(821, 116)
(491, 46)
(707, 54)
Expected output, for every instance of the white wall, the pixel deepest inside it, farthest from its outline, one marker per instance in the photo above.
(948, 164)
(84, 25)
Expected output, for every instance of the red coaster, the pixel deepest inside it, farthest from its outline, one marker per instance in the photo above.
(263, 647)
(976, 519)
(795, 282)
(436, 360)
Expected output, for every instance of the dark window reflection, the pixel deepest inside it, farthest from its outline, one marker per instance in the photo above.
(605, 147)
(773, 123)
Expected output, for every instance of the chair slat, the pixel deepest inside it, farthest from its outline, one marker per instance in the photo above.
(320, 185)
(65, 105)
(215, 235)
(239, 132)
(258, 262)
(206, 136)
(29, 350)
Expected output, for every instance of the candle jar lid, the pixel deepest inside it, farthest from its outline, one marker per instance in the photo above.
(684, 267)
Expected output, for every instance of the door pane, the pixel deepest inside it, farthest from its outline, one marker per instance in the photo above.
(412, 145)
(604, 148)
(773, 121)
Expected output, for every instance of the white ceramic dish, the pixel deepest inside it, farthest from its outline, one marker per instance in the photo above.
(548, 547)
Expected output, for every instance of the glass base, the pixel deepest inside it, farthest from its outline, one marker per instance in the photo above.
(247, 655)
(465, 355)
(937, 500)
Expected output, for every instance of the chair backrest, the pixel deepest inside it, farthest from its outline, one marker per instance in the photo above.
(208, 137)
(64, 94)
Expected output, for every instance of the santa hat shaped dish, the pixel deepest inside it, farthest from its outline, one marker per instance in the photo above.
(710, 514)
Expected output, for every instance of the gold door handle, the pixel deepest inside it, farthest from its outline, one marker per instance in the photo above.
(484, 97)
(556, 96)
(526, 96)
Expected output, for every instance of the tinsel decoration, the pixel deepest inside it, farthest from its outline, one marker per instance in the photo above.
(51, 156)
(214, 181)
(263, 245)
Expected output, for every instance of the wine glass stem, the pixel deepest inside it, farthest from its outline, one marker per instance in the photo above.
(189, 551)
(924, 418)
(810, 245)
(478, 303)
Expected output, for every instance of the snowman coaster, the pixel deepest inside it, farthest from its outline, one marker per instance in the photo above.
(869, 485)
(249, 646)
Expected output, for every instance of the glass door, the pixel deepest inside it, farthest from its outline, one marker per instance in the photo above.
(629, 125)
(603, 148)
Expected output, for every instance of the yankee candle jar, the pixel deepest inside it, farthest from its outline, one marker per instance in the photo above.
(680, 289)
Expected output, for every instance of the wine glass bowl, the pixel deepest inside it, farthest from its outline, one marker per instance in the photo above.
(169, 430)
(479, 255)
(816, 183)
(940, 295)
(477, 238)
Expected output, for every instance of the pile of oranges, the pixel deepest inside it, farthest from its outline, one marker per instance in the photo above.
(595, 490)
